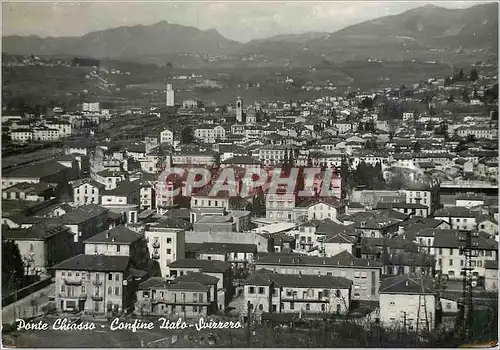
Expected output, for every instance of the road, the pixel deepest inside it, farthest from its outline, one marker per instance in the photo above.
(24, 307)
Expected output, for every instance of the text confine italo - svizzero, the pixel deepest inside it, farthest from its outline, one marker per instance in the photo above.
(65, 324)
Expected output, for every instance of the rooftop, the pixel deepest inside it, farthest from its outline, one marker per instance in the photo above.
(118, 234)
(100, 263)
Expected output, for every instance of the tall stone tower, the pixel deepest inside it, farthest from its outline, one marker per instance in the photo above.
(170, 96)
(239, 110)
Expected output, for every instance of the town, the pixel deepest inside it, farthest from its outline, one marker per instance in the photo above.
(407, 237)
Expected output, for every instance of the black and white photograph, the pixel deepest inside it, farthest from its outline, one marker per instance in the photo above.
(249, 174)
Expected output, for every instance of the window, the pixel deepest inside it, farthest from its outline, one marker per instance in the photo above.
(482, 226)
(323, 307)
(339, 308)
(451, 251)
(117, 290)
(110, 290)
(251, 306)
(308, 307)
(392, 303)
(275, 307)
(251, 290)
(337, 293)
(261, 290)
(440, 251)
(169, 240)
(118, 248)
(31, 247)
(451, 262)
(328, 273)
(461, 263)
(195, 308)
(110, 277)
(261, 307)
(448, 306)
(169, 251)
(63, 273)
(63, 288)
(70, 274)
(440, 262)
(117, 277)
(288, 293)
(292, 306)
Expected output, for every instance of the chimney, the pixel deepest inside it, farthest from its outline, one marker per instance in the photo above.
(107, 234)
(113, 239)
(406, 283)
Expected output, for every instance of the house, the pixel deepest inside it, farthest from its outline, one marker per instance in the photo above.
(124, 199)
(51, 172)
(219, 269)
(406, 301)
(209, 134)
(319, 208)
(84, 222)
(167, 136)
(21, 135)
(110, 179)
(86, 191)
(450, 259)
(165, 245)
(460, 218)
(244, 162)
(119, 241)
(239, 255)
(280, 206)
(42, 245)
(94, 284)
(365, 274)
(34, 192)
(372, 224)
(267, 291)
(192, 295)
(337, 243)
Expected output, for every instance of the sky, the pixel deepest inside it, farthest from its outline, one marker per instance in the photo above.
(241, 21)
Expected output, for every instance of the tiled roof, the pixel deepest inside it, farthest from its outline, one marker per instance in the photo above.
(457, 239)
(101, 263)
(82, 214)
(221, 248)
(124, 188)
(266, 277)
(197, 277)
(343, 259)
(403, 284)
(38, 170)
(204, 265)
(118, 234)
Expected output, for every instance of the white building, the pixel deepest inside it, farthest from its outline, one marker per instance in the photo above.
(210, 135)
(86, 191)
(266, 291)
(165, 245)
(91, 107)
(405, 300)
(167, 136)
(170, 94)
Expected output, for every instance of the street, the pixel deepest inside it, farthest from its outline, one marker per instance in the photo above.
(28, 306)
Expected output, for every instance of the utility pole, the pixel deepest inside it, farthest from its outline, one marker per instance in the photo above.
(249, 323)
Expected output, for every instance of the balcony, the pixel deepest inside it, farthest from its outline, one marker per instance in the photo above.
(97, 297)
(74, 297)
(155, 256)
(72, 282)
(97, 283)
(156, 245)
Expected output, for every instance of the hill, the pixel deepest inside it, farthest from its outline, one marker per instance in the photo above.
(130, 43)
(426, 33)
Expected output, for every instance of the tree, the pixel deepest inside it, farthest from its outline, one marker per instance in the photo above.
(450, 99)
(367, 103)
(473, 76)
(187, 136)
(471, 138)
(416, 147)
(448, 81)
(12, 265)
(460, 76)
(361, 127)
(465, 96)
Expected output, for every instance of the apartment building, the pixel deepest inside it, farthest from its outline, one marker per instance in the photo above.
(94, 284)
(403, 302)
(165, 245)
(86, 191)
(192, 295)
(267, 291)
(365, 274)
(209, 134)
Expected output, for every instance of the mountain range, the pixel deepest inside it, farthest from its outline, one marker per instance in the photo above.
(409, 35)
